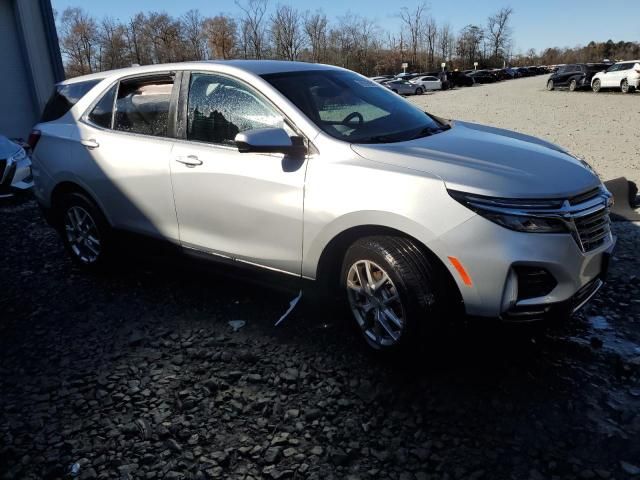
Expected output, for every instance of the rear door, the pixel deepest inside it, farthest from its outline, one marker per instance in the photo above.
(611, 76)
(122, 154)
(244, 206)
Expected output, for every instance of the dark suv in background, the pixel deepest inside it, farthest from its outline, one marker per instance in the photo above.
(575, 76)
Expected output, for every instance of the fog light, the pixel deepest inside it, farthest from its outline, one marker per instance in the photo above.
(510, 295)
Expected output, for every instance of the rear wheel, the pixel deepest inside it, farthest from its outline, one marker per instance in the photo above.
(85, 231)
(391, 288)
(596, 85)
(573, 84)
(550, 85)
(624, 86)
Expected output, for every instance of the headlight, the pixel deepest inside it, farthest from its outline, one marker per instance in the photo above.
(19, 155)
(515, 214)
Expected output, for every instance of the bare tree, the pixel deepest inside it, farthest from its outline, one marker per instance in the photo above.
(253, 28)
(499, 32)
(315, 27)
(138, 42)
(221, 33)
(112, 44)
(78, 41)
(412, 22)
(469, 43)
(431, 35)
(445, 42)
(286, 30)
(192, 29)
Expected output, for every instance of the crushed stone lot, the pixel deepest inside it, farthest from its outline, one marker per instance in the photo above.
(602, 128)
(137, 373)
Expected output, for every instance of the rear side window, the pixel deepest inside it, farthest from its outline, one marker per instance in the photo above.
(626, 66)
(102, 113)
(64, 97)
(142, 106)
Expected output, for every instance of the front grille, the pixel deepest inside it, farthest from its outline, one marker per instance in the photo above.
(594, 229)
(583, 197)
(8, 175)
(3, 165)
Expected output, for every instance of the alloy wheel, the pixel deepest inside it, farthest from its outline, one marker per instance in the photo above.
(375, 303)
(625, 86)
(82, 234)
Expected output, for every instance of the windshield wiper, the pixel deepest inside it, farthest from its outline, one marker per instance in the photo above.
(428, 131)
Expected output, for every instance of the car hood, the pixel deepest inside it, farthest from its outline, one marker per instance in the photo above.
(7, 147)
(489, 161)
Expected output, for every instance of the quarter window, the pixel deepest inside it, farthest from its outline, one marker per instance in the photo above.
(64, 97)
(142, 106)
(219, 108)
(102, 113)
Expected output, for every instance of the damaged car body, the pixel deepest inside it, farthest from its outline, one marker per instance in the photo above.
(319, 173)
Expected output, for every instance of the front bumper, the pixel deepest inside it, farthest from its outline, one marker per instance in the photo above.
(16, 177)
(489, 253)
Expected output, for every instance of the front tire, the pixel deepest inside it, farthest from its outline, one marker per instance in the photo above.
(550, 85)
(85, 231)
(624, 86)
(419, 91)
(596, 86)
(391, 288)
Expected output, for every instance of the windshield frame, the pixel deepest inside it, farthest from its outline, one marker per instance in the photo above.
(305, 101)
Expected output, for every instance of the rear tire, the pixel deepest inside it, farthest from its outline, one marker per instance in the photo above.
(573, 85)
(550, 85)
(596, 86)
(85, 232)
(392, 290)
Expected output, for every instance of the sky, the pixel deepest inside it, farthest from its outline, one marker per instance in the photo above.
(536, 23)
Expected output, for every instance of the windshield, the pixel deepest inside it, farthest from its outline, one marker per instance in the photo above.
(352, 108)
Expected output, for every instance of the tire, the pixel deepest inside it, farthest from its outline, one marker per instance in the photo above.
(85, 232)
(419, 91)
(573, 85)
(624, 86)
(550, 85)
(596, 86)
(393, 316)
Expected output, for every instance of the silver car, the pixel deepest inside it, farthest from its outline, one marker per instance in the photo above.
(15, 168)
(320, 174)
(404, 87)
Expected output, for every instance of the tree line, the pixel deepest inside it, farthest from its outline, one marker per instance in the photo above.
(265, 31)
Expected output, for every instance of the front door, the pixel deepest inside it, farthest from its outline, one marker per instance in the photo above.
(246, 206)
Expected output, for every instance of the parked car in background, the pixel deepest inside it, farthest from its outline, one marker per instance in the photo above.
(427, 83)
(575, 76)
(318, 174)
(622, 75)
(15, 168)
(381, 78)
(404, 87)
(460, 79)
(482, 76)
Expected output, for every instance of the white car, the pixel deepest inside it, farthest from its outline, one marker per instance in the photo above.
(622, 75)
(428, 83)
(15, 168)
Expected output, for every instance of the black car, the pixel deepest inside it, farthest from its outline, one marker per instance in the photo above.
(460, 79)
(482, 76)
(575, 76)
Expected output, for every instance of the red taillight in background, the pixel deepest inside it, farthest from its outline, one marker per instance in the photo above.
(34, 136)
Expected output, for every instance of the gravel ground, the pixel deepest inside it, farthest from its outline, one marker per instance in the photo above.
(137, 374)
(602, 128)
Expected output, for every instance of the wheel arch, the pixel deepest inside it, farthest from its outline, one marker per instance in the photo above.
(67, 187)
(331, 258)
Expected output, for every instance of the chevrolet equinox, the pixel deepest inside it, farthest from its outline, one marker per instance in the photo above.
(319, 173)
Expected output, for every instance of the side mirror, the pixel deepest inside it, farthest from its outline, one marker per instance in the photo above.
(269, 140)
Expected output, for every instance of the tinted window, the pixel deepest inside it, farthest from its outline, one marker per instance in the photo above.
(220, 107)
(331, 97)
(142, 106)
(64, 97)
(626, 66)
(102, 113)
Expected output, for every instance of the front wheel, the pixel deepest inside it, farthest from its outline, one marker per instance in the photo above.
(573, 85)
(550, 85)
(596, 85)
(418, 91)
(85, 231)
(391, 287)
(624, 86)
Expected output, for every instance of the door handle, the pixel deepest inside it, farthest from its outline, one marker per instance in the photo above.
(90, 143)
(189, 161)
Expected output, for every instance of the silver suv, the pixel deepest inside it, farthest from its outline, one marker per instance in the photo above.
(319, 173)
